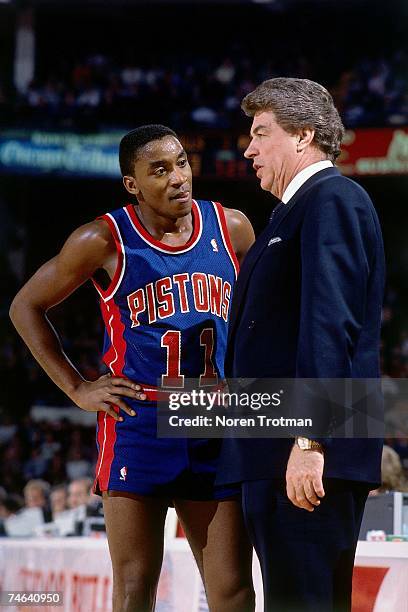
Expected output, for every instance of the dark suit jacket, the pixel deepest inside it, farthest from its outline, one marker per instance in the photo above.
(309, 306)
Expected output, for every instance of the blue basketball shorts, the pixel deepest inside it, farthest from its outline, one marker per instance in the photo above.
(132, 459)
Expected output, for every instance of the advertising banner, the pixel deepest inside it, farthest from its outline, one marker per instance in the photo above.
(212, 154)
(374, 152)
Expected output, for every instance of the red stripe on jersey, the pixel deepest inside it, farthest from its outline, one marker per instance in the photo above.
(167, 247)
(101, 415)
(110, 353)
(226, 236)
(115, 360)
(112, 285)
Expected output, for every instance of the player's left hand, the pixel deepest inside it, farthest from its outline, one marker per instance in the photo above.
(304, 484)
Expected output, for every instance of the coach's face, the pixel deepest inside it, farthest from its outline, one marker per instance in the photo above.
(274, 153)
(162, 178)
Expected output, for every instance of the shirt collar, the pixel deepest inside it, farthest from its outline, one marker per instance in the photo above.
(302, 177)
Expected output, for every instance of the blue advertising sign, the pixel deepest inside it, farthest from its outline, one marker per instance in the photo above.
(37, 152)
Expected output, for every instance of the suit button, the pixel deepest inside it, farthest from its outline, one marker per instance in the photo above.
(251, 325)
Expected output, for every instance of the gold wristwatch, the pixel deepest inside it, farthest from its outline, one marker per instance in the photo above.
(306, 444)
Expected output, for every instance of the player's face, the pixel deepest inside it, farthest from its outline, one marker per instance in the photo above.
(273, 152)
(162, 178)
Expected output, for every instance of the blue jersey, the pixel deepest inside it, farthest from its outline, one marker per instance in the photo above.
(166, 309)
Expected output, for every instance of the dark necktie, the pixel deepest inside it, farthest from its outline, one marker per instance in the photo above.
(276, 211)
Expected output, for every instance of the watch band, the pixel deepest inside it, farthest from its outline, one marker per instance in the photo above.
(306, 444)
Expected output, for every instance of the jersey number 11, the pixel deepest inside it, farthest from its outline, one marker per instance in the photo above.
(171, 340)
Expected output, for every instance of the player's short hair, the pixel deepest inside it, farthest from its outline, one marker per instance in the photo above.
(297, 104)
(134, 141)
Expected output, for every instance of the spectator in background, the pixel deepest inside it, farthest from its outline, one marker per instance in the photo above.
(392, 473)
(9, 506)
(372, 91)
(78, 492)
(36, 495)
(58, 500)
(78, 499)
(225, 73)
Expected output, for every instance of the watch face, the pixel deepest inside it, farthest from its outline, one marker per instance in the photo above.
(303, 443)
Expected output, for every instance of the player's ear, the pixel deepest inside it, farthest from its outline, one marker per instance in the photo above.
(131, 185)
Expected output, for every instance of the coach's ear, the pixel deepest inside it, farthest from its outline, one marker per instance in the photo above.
(131, 186)
(304, 138)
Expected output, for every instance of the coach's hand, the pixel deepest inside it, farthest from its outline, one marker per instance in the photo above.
(106, 392)
(304, 485)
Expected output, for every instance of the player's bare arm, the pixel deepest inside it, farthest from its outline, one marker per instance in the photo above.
(87, 249)
(241, 232)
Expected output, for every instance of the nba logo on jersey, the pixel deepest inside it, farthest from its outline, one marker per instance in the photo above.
(123, 473)
(214, 245)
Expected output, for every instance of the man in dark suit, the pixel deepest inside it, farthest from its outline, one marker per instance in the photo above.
(307, 304)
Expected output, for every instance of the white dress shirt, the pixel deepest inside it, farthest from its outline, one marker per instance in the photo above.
(302, 177)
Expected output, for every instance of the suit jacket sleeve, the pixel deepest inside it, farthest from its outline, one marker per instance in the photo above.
(337, 247)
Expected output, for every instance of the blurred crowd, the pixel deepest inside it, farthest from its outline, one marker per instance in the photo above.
(394, 335)
(57, 451)
(187, 92)
(44, 510)
(394, 367)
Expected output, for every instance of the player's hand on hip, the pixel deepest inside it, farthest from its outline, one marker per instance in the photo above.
(107, 392)
(304, 484)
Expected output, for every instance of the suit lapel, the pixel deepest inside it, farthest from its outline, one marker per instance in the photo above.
(262, 242)
(311, 182)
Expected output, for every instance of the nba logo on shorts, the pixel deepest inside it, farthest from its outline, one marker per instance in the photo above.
(123, 473)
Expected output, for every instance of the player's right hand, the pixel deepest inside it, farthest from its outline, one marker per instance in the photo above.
(107, 392)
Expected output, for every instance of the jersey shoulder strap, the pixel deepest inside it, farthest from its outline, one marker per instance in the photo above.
(214, 218)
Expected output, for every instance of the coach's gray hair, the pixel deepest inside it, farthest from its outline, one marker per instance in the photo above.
(297, 104)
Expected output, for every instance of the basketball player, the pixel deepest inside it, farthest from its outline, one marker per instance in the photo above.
(164, 268)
